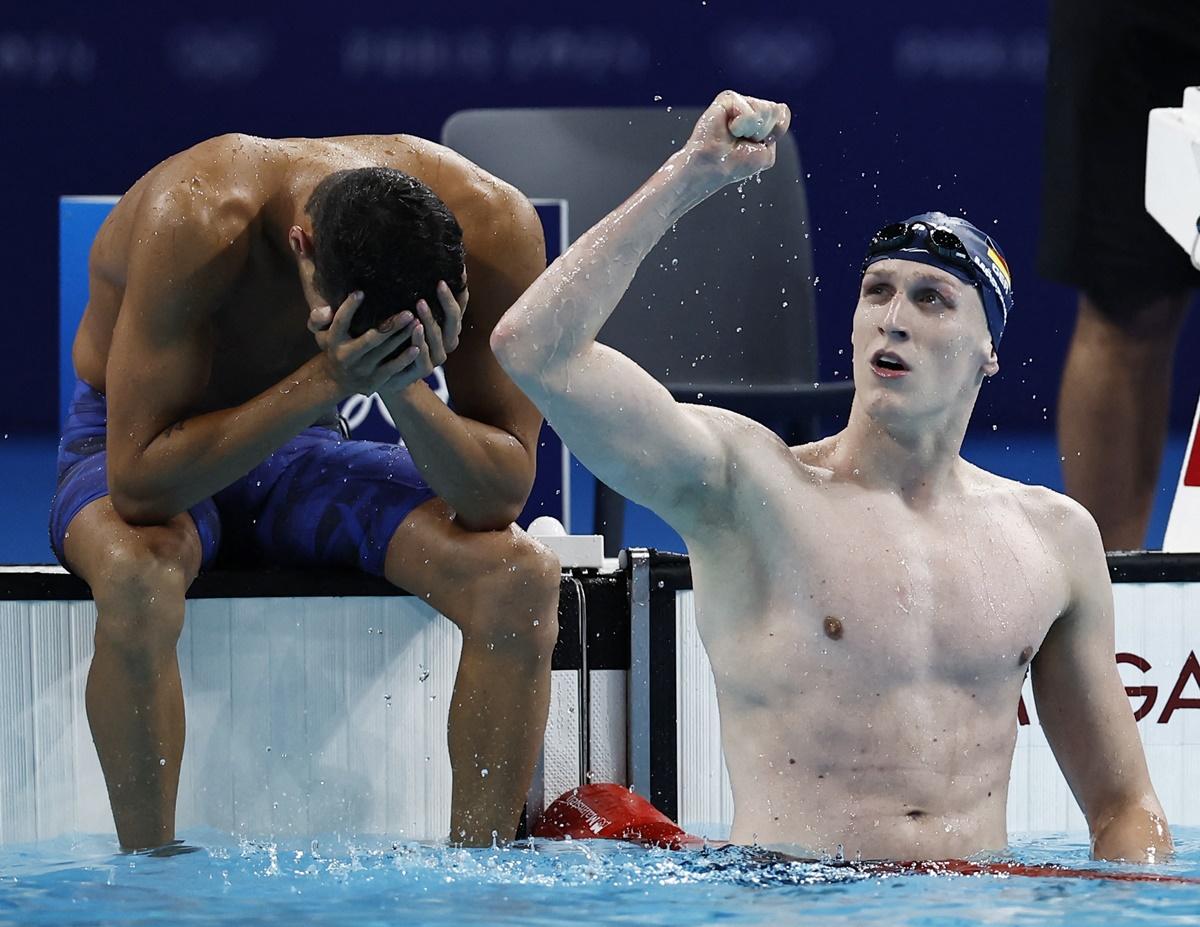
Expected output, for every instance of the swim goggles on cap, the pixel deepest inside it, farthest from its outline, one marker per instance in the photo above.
(937, 241)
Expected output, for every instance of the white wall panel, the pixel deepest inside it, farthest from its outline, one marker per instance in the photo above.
(304, 716)
(705, 796)
(609, 726)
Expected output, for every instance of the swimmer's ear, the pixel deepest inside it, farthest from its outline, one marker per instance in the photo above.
(300, 242)
(992, 365)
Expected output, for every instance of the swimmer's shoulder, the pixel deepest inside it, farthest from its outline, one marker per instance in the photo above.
(223, 181)
(495, 216)
(195, 201)
(1059, 518)
(760, 457)
(486, 206)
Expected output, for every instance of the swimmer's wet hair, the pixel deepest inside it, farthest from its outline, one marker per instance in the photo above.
(381, 231)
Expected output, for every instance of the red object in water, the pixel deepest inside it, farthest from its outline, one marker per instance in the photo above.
(1044, 871)
(604, 810)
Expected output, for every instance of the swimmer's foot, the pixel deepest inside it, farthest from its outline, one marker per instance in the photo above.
(174, 848)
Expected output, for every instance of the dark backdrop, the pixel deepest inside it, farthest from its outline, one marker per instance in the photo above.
(899, 108)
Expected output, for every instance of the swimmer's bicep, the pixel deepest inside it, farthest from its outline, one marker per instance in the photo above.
(629, 430)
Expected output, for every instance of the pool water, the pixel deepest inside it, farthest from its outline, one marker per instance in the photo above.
(367, 882)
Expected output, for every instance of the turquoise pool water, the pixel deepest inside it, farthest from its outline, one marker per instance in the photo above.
(361, 883)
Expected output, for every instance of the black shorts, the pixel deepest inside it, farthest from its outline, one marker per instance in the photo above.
(1110, 64)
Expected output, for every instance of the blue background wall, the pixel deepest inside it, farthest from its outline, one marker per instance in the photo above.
(898, 109)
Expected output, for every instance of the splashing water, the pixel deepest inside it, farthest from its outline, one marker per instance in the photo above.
(375, 881)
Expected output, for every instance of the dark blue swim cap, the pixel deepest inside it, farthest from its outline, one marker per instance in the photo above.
(957, 247)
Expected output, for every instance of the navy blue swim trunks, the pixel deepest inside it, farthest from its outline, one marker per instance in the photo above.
(320, 500)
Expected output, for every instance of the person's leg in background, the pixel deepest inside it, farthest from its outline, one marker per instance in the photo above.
(1110, 63)
(1113, 407)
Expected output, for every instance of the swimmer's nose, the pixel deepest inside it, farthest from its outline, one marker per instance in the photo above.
(892, 325)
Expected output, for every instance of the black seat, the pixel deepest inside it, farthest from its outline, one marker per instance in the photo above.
(722, 310)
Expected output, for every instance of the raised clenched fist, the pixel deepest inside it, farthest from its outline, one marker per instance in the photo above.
(735, 137)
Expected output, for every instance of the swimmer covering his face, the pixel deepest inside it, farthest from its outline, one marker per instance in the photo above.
(237, 292)
(871, 602)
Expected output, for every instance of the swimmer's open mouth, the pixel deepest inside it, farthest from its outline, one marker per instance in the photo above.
(888, 364)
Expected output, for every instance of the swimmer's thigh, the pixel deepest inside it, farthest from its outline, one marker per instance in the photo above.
(110, 554)
(468, 575)
(96, 544)
(327, 501)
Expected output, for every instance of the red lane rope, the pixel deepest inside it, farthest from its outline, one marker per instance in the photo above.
(606, 811)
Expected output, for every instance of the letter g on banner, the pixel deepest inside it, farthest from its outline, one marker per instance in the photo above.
(1148, 693)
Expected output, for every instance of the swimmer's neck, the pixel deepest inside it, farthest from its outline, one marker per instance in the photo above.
(917, 461)
(285, 204)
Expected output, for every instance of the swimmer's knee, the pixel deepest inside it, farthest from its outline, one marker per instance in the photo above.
(515, 598)
(139, 588)
(527, 571)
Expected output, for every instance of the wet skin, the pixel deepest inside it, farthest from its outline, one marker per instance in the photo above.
(200, 329)
(871, 602)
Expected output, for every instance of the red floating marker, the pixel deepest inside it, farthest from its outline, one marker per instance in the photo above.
(607, 811)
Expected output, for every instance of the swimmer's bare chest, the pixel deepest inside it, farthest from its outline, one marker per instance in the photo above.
(937, 593)
(872, 654)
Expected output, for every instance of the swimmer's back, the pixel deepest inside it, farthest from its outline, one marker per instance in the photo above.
(223, 185)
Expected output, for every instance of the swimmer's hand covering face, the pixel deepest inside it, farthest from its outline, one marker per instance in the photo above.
(404, 348)
(734, 139)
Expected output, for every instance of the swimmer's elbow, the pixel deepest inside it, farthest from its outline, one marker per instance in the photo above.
(1134, 831)
(483, 522)
(134, 511)
(138, 508)
(511, 354)
(495, 515)
(520, 358)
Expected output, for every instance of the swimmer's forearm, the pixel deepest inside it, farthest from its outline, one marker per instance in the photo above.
(1137, 833)
(199, 456)
(481, 471)
(617, 419)
(568, 304)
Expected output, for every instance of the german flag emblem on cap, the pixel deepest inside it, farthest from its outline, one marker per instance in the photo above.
(1001, 266)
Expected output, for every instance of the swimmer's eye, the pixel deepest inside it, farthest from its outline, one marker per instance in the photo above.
(933, 297)
(878, 289)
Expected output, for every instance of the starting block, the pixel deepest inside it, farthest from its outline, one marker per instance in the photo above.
(1173, 199)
